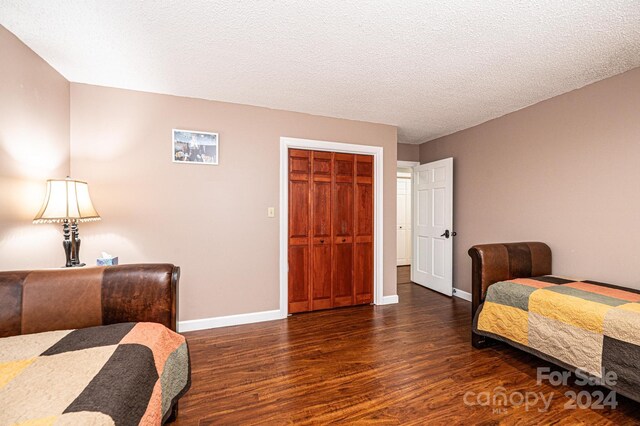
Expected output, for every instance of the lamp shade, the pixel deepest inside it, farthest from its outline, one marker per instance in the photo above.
(66, 199)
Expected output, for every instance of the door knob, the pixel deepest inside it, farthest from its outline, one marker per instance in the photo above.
(321, 241)
(448, 234)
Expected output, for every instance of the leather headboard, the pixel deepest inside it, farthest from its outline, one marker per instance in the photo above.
(492, 263)
(60, 299)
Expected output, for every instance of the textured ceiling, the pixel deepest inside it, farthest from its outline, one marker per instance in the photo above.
(429, 67)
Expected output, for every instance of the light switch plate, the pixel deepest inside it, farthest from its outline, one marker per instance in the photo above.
(271, 212)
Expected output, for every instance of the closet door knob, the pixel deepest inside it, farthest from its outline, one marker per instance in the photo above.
(321, 241)
(344, 239)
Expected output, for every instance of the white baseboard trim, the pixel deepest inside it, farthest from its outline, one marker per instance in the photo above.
(229, 320)
(252, 317)
(390, 300)
(462, 294)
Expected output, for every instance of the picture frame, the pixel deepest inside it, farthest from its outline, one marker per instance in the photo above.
(195, 147)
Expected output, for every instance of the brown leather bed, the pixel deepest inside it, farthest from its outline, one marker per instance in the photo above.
(105, 335)
(492, 263)
(590, 327)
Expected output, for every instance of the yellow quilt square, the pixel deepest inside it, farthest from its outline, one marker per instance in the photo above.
(568, 309)
(9, 370)
(505, 321)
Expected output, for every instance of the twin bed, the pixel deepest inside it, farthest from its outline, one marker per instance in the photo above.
(91, 346)
(98, 345)
(576, 324)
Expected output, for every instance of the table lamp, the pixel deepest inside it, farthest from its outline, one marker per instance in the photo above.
(68, 202)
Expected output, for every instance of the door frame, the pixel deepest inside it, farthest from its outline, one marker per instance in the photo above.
(315, 145)
(408, 163)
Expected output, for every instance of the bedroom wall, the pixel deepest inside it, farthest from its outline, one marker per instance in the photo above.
(565, 171)
(210, 220)
(408, 152)
(34, 146)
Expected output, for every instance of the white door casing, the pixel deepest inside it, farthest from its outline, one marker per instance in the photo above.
(432, 265)
(404, 221)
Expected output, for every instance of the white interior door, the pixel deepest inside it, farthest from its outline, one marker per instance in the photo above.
(404, 222)
(432, 264)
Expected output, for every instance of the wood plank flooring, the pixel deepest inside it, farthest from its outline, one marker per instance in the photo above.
(409, 363)
(404, 274)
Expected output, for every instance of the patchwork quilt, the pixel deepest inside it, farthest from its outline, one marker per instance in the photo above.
(576, 324)
(120, 374)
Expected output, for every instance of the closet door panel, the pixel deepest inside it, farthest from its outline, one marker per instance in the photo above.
(364, 206)
(299, 209)
(343, 227)
(299, 164)
(299, 231)
(344, 167)
(343, 198)
(322, 165)
(321, 276)
(321, 196)
(343, 274)
(321, 209)
(343, 210)
(298, 279)
(363, 272)
(363, 249)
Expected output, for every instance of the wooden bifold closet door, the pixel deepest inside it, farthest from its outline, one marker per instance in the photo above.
(330, 230)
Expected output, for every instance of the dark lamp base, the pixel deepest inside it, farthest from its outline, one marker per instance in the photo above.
(79, 265)
(71, 243)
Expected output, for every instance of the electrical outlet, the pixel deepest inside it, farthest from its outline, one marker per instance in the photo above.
(271, 212)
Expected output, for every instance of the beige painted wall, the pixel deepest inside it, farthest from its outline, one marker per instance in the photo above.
(408, 152)
(34, 146)
(565, 171)
(210, 220)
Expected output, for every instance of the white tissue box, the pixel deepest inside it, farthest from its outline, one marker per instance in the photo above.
(101, 261)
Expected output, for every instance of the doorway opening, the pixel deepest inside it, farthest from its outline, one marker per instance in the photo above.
(404, 235)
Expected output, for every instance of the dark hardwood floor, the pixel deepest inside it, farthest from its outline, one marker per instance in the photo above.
(404, 274)
(409, 363)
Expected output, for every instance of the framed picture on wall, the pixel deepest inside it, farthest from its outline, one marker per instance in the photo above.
(195, 147)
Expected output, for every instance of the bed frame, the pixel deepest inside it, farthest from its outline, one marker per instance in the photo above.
(69, 298)
(492, 263)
